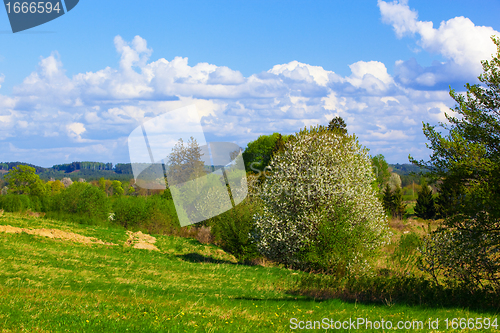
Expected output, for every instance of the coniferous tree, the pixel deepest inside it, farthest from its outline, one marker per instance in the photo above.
(387, 200)
(398, 204)
(425, 207)
(466, 162)
(338, 124)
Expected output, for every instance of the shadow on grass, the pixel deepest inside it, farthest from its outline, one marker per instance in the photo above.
(390, 291)
(198, 258)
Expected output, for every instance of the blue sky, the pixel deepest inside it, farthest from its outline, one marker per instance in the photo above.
(74, 88)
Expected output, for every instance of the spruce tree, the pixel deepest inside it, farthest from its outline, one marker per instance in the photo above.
(425, 207)
(387, 200)
(397, 201)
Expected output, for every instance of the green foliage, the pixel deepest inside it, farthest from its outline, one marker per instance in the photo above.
(153, 214)
(338, 125)
(67, 200)
(117, 187)
(398, 205)
(405, 255)
(92, 203)
(466, 162)
(259, 152)
(15, 203)
(381, 169)
(129, 212)
(425, 207)
(310, 184)
(24, 180)
(232, 230)
(466, 256)
(392, 201)
(387, 200)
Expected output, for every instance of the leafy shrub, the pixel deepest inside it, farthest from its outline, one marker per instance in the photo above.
(129, 211)
(232, 230)
(15, 202)
(93, 203)
(161, 217)
(153, 214)
(468, 257)
(321, 184)
(68, 199)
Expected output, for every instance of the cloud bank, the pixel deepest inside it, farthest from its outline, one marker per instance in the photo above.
(52, 118)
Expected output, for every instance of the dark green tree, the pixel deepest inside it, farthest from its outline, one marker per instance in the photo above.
(466, 162)
(425, 207)
(387, 200)
(338, 124)
(279, 145)
(398, 204)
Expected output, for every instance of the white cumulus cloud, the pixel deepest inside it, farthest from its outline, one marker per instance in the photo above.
(458, 40)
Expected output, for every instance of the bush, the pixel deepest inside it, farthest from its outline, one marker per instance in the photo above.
(320, 210)
(15, 202)
(93, 203)
(67, 200)
(154, 214)
(232, 229)
(129, 211)
(466, 256)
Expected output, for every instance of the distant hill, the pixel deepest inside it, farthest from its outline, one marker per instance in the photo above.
(406, 169)
(409, 173)
(76, 170)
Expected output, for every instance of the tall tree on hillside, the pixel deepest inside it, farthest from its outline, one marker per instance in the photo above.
(467, 164)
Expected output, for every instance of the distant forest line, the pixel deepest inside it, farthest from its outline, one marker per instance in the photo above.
(123, 171)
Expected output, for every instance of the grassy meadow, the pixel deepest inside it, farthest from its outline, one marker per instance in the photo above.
(58, 285)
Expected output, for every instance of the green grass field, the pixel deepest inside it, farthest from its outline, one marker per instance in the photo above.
(53, 285)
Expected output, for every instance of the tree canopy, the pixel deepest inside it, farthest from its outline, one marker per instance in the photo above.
(259, 152)
(24, 180)
(320, 210)
(466, 162)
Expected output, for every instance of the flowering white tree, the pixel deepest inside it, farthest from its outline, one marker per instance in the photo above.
(320, 210)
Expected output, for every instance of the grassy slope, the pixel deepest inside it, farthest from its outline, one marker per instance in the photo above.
(51, 285)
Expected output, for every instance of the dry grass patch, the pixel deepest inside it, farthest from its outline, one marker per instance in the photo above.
(53, 234)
